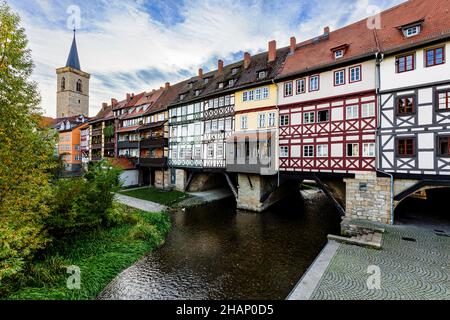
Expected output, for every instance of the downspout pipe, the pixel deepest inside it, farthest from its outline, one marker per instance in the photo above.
(379, 57)
(277, 143)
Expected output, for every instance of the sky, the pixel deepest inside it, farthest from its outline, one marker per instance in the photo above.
(131, 46)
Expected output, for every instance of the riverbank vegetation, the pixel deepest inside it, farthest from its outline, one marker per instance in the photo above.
(48, 223)
(167, 198)
(100, 254)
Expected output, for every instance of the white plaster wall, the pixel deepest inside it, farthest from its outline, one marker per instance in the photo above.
(327, 88)
(390, 79)
(130, 178)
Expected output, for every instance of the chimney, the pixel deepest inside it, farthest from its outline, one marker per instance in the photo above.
(293, 45)
(272, 51)
(104, 106)
(113, 102)
(200, 73)
(326, 31)
(128, 96)
(247, 60)
(219, 66)
(167, 85)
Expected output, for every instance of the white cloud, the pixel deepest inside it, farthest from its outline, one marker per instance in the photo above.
(124, 39)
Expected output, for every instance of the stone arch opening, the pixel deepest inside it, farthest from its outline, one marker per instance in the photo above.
(427, 207)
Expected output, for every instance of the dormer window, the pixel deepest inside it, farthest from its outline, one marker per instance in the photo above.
(234, 71)
(262, 74)
(220, 85)
(338, 54)
(197, 93)
(411, 31)
(206, 80)
(231, 83)
(182, 96)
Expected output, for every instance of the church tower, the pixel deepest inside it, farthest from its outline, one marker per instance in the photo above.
(72, 98)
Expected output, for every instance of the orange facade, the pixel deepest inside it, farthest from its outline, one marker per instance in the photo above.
(69, 148)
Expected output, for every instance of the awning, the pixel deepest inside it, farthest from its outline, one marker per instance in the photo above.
(128, 129)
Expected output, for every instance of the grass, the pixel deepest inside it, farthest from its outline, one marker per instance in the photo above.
(101, 255)
(167, 198)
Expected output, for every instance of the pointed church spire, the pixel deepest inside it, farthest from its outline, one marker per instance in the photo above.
(73, 60)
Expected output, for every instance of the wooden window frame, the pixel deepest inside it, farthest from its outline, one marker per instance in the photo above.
(334, 78)
(434, 60)
(397, 106)
(405, 56)
(292, 89)
(350, 74)
(304, 84)
(404, 139)
(447, 102)
(318, 82)
(438, 147)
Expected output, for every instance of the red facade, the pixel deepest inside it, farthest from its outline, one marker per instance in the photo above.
(340, 137)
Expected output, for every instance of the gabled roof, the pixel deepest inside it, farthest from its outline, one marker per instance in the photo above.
(73, 61)
(363, 42)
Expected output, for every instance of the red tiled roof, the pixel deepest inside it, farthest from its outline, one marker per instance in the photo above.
(128, 129)
(363, 41)
(122, 163)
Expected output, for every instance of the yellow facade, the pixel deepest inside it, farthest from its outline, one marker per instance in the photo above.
(251, 109)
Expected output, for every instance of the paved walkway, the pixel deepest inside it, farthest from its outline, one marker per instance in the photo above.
(414, 264)
(140, 204)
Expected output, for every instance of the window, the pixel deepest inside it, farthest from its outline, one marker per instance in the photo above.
(301, 86)
(314, 83)
(444, 146)
(352, 112)
(182, 96)
(210, 151)
(435, 57)
(288, 89)
(308, 151)
(234, 71)
(284, 151)
(368, 110)
(355, 74)
(339, 78)
(220, 85)
(405, 147)
(338, 54)
(197, 93)
(411, 31)
(231, 83)
(244, 122)
(308, 117)
(262, 74)
(219, 151)
(79, 86)
(63, 84)
(323, 115)
(272, 119)
(265, 93)
(258, 94)
(197, 152)
(352, 150)
(251, 95)
(443, 101)
(369, 150)
(405, 63)
(405, 105)
(262, 120)
(322, 151)
(245, 96)
(206, 80)
(284, 120)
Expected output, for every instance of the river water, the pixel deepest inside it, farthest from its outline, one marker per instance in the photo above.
(217, 252)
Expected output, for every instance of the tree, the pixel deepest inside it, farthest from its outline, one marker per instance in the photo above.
(26, 152)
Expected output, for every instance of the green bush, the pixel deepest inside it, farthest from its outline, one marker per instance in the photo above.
(86, 202)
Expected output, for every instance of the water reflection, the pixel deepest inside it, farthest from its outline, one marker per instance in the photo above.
(214, 252)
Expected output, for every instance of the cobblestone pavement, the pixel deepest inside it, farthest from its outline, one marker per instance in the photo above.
(140, 204)
(410, 270)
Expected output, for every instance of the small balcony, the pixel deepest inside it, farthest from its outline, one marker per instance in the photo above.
(155, 142)
(153, 162)
(128, 145)
(96, 146)
(109, 145)
(96, 132)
